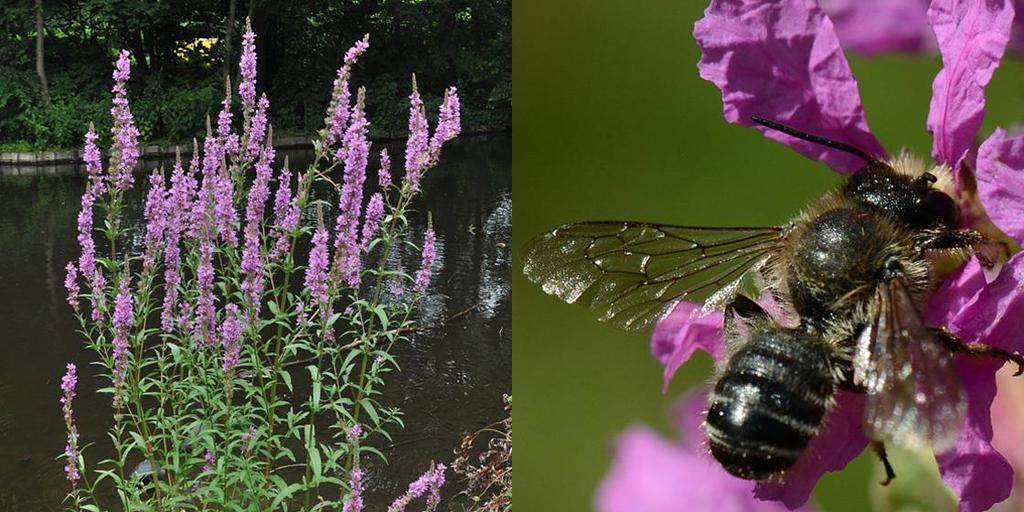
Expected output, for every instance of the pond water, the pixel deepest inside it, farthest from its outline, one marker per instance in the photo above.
(453, 373)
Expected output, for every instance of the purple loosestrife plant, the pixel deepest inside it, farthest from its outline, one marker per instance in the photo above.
(215, 376)
(783, 61)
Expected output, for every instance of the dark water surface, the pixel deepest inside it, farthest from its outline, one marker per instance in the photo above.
(453, 373)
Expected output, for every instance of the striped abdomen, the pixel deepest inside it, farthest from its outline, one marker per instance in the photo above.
(769, 402)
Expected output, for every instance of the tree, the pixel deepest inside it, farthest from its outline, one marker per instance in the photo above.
(40, 65)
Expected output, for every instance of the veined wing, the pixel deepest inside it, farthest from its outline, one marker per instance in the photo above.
(914, 396)
(633, 273)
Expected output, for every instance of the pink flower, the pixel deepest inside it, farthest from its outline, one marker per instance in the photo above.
(428, 257)
(71, 285)
(123, 320)
(873, 27)
(384, 174)
(782, 61)
(650, 473)
(67, 385)
(430, 481)
(374, 212)
(156, 219)
(354, 501)
(231, 338)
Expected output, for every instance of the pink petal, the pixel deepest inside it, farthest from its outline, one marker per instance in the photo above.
(650, 474)
(1000, 174)
(1008, 428)
(872, 27)
(840, 440)
(959, 289)
(688, 415)
(683, 331)
(972, 37)
(782, 61)
(973, 469)
(990, 313)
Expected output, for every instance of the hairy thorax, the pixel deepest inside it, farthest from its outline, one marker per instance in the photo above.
(838, 252)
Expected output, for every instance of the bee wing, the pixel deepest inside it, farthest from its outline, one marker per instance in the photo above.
(633, 273)
(914, 396)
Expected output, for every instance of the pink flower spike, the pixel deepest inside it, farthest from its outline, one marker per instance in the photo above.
(972, 37)
(681, 332)
(873, 27)
(840, 440)
(782, 61)
(1000, 175)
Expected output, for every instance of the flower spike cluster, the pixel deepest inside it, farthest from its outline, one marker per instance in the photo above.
(783, 61)
(247, 69)
(422, 150)
(124, 153)
(430, 482)
(124, 318)
(428, 256)
(338, 110)
(214, 277)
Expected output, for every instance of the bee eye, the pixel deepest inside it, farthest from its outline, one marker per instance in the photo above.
(942, 207)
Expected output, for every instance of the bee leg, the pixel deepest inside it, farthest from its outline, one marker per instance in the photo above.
(950, 239)
(987, 250)
(879, 448)
(951, 342)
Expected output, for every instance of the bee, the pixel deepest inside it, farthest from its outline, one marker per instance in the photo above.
(851, 274)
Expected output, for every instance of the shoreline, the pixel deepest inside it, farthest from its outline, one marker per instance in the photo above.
(52, 163)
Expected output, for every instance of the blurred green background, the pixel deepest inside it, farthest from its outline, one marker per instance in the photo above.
(613, 122)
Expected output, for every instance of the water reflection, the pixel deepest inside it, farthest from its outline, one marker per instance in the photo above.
(453, 373)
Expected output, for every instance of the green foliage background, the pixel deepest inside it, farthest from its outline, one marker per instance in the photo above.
(300, 46)
(613, 122)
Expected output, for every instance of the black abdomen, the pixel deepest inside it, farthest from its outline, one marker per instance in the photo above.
(769, 403)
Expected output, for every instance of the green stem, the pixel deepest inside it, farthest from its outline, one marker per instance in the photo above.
(403, 202)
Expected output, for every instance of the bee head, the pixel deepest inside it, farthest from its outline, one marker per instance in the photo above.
(913, 200)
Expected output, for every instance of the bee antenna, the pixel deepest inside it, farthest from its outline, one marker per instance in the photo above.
(817, 139)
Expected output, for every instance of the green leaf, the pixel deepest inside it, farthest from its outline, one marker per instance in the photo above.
(287, 378)
(284, 494)
(383, 317)
(371, 410)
